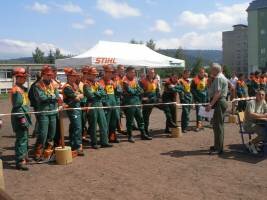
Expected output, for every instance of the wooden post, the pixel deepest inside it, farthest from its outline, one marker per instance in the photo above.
(29, 77)
(2, 182)
(61, 126)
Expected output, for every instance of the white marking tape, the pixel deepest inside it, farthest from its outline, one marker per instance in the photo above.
(124, 106)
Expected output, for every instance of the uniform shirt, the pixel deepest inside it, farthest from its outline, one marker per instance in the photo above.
(253, 107)
(220, 83)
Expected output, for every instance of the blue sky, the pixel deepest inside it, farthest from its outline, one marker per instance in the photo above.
(75, 26)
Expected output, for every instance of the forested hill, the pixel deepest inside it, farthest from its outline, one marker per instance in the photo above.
(191, 56)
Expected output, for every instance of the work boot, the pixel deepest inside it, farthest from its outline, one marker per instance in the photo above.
(106, 145)
(113, 138)
(38, 152)
(144, 136)
(80, 151)
(199, 126)
(167, 130)
(22, 166)
(130, 138)
(172, 124)
(95, 146)
(48, 152)
(148, 133)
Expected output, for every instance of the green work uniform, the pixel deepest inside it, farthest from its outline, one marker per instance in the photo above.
(151, 95)
(241, 92)
(219, 84)
(83, 103)
(75, 116)
(95, 94)
(46, 96)
(185, 98)
(169, 95)
(199, 92)
(112, 116)
(118, 97)
(20, 123)
(132, 96)
(254, 86)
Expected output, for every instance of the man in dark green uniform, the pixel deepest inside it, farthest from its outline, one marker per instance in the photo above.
(151, 95)
(218, 92)
(117, 78)
(255, 83)
(199, 91)
(72, 97)
(171, 89)
(241, 92)
(132, 95)
(111, 113)
(95, 94)
(20, 123)
(47, 96)
(83, 103)
(185, 98)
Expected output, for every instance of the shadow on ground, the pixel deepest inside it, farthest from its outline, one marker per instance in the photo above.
(233, 152)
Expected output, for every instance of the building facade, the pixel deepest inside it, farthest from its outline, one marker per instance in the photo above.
(235, 49)
(257, 35)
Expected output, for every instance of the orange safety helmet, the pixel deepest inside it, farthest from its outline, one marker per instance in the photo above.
(93, 71)
(71, 72)
(108, 68)
(19, 72)
(85, 69)
(47, 70)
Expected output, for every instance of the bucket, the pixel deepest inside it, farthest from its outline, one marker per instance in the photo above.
(63, 155)
(176, 132)
(232, 119)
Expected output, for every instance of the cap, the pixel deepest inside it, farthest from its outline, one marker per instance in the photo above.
(93, 71)
(108, 68)
(85, 69)
(47, 70)
(71, 72)
(20, 72)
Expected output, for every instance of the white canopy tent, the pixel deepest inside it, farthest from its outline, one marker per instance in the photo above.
(116, 53)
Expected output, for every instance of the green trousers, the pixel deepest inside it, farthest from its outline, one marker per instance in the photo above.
(170, 114)
(147, 110)
(198, 117)
(185, 117)
(47, 125)
(112, 118)
(218, 123)
(97, 117)
(75, 128)
(131, 114)
(21, 144)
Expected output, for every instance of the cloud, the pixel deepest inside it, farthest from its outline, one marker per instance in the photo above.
(84, 24)
(193, 40)
(40, 8)
(108, 32)
(221, 18)
(10, 48)
(161, 26)
(117, 9)
(70, 7)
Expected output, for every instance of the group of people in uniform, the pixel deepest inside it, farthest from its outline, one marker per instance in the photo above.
(100, 101)
(247, 87)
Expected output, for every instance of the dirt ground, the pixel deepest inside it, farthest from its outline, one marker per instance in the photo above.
(164, 168)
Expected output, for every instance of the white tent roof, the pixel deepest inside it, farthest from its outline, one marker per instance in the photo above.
(116, 53)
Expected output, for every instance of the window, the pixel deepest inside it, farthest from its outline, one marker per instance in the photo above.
(262, 32)
(263, 51)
